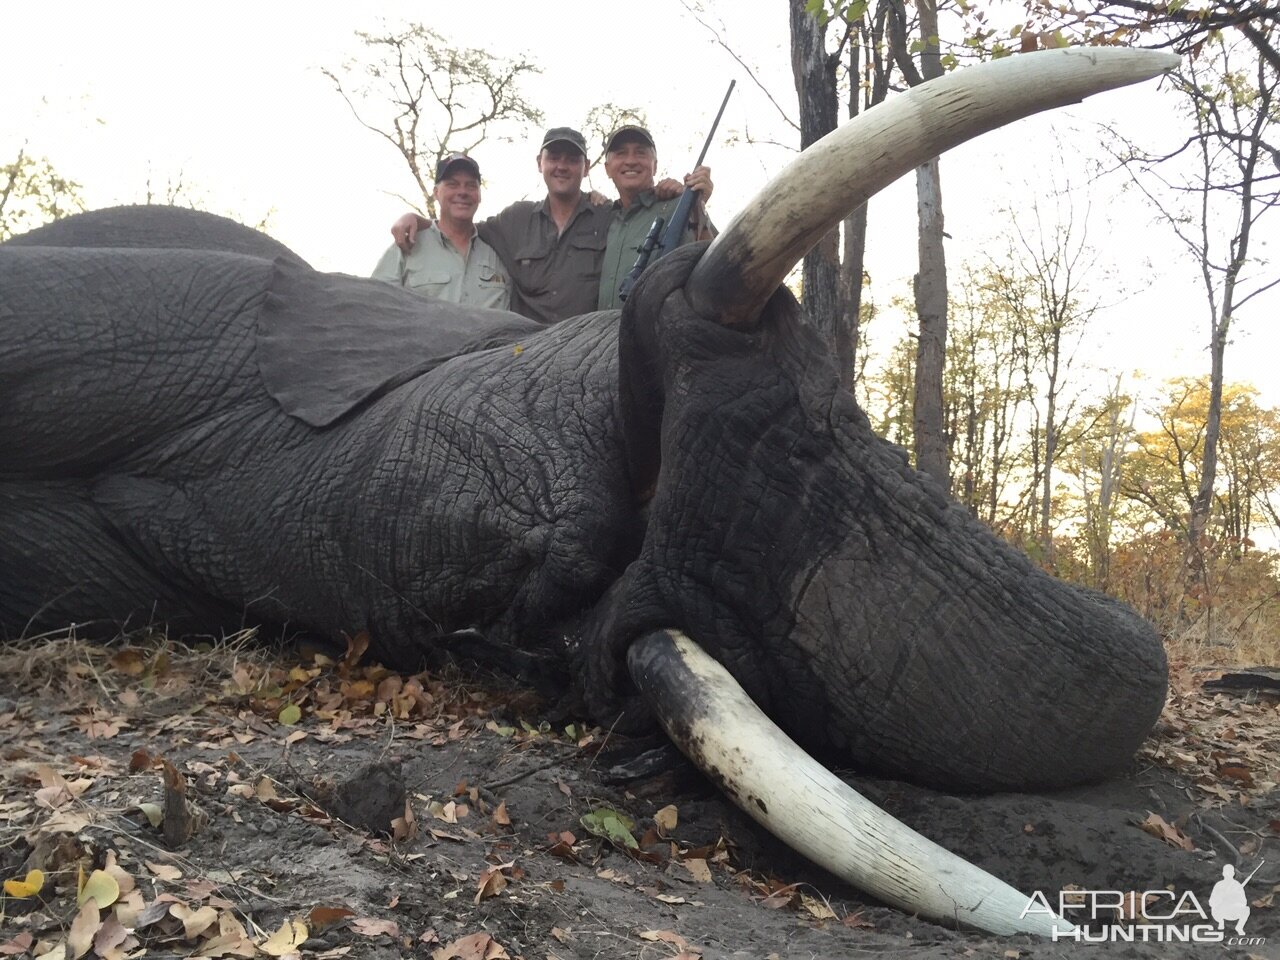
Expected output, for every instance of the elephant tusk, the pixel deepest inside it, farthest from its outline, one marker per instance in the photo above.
(717, 726)
(836, 175)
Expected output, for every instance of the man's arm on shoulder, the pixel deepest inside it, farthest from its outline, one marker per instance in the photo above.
(405, 230)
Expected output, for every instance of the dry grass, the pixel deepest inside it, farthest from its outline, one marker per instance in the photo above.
(142, 671)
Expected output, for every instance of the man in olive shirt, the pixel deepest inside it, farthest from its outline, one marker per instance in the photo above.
(450, 262)
(553, 247)
(631, 161)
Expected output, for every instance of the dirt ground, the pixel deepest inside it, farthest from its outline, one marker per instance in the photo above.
(237, 801)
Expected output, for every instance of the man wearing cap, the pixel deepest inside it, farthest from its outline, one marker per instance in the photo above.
(553, 247)
(631, 162)
(451, 262)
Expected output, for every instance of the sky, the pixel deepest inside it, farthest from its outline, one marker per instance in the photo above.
(229, 99)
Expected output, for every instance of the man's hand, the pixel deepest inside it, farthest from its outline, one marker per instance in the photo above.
(699, 180)
(405, 230)
(598, 199)
(668, 189)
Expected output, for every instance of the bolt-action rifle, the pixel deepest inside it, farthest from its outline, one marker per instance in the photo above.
(664, 241)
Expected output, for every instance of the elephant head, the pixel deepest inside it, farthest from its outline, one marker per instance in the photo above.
(870, 618)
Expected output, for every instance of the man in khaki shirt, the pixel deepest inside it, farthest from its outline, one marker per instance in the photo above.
(450, 262)
(631, 162)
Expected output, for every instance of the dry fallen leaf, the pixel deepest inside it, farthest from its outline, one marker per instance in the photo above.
(153, 813)
(110, 936)
(492, 883)
(322, 918)
(666, 819)
(373, 927)
(291, 935)
(698, 869)
(194, 922)
(83, 927)
(163, 870)
(19, 944)
(100, 886)
(474, 946)
(817, 908)
(405, 827)
(28, 887)
(500, 815)
(123, 880)
(1157, 827)
(665, 936)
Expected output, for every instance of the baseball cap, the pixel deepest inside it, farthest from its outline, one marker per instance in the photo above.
(453, 160)
(565, 135)
(632, 128)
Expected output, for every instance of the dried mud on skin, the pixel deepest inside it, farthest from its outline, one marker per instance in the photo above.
(471, 842)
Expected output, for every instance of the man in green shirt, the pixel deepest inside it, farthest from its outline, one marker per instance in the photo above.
(631, 162)
(450, 262)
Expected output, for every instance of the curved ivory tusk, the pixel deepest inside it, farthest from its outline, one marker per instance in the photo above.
(836, 175)
(714, 723)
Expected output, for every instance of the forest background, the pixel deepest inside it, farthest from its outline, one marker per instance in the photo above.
(1083, 356)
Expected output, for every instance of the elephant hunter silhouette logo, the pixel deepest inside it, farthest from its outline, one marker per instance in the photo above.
(1152, 916)
(1228, 902)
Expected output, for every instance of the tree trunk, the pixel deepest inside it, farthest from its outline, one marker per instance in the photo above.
(1195, 568)
(814, 72)
(931, 285)
(850, 290)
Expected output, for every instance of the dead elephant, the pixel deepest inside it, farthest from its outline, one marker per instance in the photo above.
(199, 428)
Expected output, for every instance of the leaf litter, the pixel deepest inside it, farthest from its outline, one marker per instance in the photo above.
(93, 775)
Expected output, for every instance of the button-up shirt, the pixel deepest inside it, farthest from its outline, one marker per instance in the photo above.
(556, 275)
(437, 269)
(628, 228)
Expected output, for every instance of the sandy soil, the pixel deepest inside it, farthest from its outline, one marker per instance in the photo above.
(283, 836)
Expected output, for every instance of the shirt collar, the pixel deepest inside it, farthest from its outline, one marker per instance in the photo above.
(543, 206)
(445, 241)
(646, 199)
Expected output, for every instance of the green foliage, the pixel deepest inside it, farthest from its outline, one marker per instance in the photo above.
(32, 192)
(613, 826)
(1162, 470)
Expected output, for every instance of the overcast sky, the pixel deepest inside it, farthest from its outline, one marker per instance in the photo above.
(229, 98)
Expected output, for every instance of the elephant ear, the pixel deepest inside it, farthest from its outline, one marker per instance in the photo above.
(329, 343)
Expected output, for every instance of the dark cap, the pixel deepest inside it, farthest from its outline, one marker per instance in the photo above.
(449, 161)
(638, 132)
(565, 135)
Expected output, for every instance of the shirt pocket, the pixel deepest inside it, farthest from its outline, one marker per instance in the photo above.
(492, 278)
(588, 255)
(428, 282)
(532, 269)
